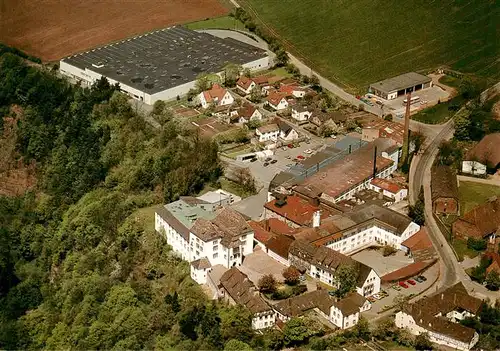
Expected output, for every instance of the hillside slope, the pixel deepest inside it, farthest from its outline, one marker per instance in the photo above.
(361, 41)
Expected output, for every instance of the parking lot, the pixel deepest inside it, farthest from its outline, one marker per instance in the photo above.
(428, 97)
(380, 264)
(394, 290)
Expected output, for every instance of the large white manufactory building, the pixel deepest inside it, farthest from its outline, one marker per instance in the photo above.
(161, 65)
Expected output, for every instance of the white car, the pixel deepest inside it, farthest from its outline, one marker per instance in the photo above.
(308, 151)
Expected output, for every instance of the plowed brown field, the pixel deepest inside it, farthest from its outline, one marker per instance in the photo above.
(52, 29)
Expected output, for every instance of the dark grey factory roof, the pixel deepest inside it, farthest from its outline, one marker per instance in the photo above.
(166, 58)
(402, 81)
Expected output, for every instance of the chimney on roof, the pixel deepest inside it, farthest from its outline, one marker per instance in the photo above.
(316, 219)
(375, 162)
(268, 227)
(442, 296)
(314, 201)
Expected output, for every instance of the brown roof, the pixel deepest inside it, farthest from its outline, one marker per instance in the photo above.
(408, 271)
(420, 245)
(228, 225)
(296, 209)
(481, 221)
(487, 151)
(350, 304)
(303, 250)
(280, 244)
(443, 182)
(387, 184)
(275, 97)
(298, 305)
(242, 290)
(244, 82)
(201, 263)
(329, 259)
(273, 127)
(387, 129)
(246, 111)
(424, 312)
(259, 232)
(347, 173)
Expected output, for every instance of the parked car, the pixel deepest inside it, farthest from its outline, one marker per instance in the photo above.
(308, 141)
(403, 285)
(418, 279)
(308, 151)
(422, 277)
(300, 157)
(412, 282)
(289, 157)
(274, 161)
(253, 159)
(290, 165)
(396, 287)
(266, 164)
(290, 146)
(268, 159)
(284, 148)
(331, 292)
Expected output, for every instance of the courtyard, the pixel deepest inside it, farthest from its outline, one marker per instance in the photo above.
(380, 264)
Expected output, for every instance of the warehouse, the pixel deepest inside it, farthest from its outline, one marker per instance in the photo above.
(396, 86)
(161, 65)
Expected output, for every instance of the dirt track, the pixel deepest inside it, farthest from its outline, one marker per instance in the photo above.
(52, 29)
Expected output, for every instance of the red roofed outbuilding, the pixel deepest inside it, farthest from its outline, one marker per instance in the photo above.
(389, 188)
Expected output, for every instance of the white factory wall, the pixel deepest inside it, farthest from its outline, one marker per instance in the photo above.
(88, 77)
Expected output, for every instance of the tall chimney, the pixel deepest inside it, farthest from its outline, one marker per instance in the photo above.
(406, 141)
(375, 163)
(316, 219)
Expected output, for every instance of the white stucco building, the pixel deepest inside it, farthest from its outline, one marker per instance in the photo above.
(301, 113)
(268, 132)
(204, 235)
(277, 100)
(215, 96)
(389, 188)
(161, 65)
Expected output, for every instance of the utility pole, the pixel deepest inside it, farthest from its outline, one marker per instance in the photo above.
(406, 141)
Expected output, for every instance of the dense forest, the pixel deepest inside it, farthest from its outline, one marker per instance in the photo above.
(77, 268)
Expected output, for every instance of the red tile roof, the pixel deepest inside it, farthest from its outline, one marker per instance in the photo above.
(246, 111)
(407, 271)
(487, 151)
(275, 97)
(244, 82)
(418, 241)
(280, 244)
(216, 93)
(495, 262)
(481, 221)
(297, 210)
(387, 185)
(289, 89)
(259, 232)
(387, 129)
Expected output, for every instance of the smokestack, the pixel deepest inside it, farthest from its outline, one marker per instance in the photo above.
(375, 163)
(406, 141)
(316, 219)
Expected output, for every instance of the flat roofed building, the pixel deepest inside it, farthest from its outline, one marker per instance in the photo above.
(396, 86)
(161, 65)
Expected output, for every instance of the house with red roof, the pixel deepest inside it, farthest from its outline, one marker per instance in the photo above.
(292, 90)
(247, 113)
(389, 188)
(216, 96)
(245, 84)
(277, 100)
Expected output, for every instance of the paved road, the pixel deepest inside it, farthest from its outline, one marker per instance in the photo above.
(479, 180)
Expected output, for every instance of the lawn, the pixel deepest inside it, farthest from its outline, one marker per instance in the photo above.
(360, 42)
(225, 22)
(460, 247)
(439, 113)
(450, 81)
(147, 216)
(473, 194)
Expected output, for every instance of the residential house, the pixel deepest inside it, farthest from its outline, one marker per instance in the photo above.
(495, 263)
(444, 190)
(335, 119)
(247, 113)
(287, 133)
(301, 113)
(268, 132)
(292, 90)
(419, 246)
(277, 100)
(245, 84)
(322, 262)
(236, 288)
(484, 157)
(216, 96)
(439, 316)
(389, 188)
(344, 313)
(482, 222)
(198, 230)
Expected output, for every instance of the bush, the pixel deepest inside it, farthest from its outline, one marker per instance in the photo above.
(267, 284)
(389, 251)
(476, 244)
(291, 275)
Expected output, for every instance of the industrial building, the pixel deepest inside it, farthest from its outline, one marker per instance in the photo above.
(161, 65)
(396, 86)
